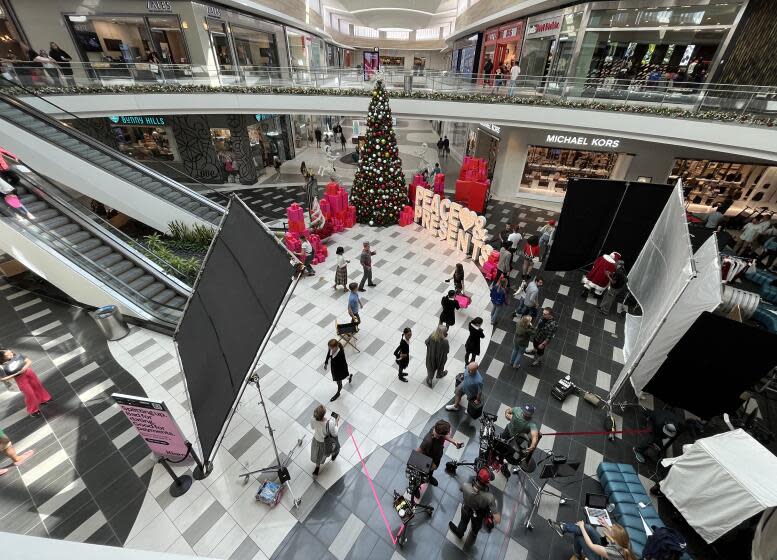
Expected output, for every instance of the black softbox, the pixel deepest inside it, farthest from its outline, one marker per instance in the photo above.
(712, 364)
(243, 283)
(602, 216)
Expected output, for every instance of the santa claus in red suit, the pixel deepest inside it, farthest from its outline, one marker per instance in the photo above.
(599, 277)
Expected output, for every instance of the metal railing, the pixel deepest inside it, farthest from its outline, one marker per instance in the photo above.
(734, 102)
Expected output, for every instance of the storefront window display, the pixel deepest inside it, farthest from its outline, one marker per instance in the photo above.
(129, 39)
(548, 170)
(388, 62)
(652, 46)
(487, 147)
(502, 45)
(712, 182)
(466, 54)
(306, 51)
(11, 40)
(540, 44)
(146, 142)
(222, 49)
(255, 50)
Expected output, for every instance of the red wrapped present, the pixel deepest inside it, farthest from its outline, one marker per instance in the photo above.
(331, 188)
(326, 210)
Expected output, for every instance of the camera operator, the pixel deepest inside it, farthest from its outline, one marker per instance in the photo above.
(477, 504)
(433, 445)
(520, 424)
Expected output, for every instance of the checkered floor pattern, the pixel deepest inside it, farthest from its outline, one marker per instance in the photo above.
(338, 517)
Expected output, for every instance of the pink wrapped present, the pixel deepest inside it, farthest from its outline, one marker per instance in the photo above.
(439, 179)
(331, 188)
(326, 210)
(489, 270)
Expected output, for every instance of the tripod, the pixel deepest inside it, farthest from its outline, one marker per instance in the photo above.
(281, 467)
(558, 468)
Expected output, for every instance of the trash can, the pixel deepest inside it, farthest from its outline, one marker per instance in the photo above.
(111, 322)
(408, 83)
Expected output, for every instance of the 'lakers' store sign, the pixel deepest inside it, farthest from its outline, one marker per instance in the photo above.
(449, 221)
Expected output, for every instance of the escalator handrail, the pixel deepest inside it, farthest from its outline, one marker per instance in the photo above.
(97, 145)
(107, 233)
(165, 313)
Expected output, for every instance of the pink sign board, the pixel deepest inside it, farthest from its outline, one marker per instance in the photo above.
(155, 425)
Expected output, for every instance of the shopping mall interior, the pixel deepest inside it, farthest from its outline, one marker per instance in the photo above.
(387, 280)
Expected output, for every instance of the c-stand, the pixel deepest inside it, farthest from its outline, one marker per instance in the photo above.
(556, 469)
(281, 467)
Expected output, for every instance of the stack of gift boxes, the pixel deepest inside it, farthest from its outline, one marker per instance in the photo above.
(473, 169)
(489, 267)
(418, 180)
(335, 208)
(406, 216)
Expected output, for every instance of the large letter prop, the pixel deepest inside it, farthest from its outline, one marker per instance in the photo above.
(459, 227)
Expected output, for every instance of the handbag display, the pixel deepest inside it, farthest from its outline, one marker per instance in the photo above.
(331, 443)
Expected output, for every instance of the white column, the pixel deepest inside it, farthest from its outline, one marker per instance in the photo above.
(510, 162)
(622, 164)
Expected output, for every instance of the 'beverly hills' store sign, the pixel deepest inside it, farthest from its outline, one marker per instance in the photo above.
(458, 226)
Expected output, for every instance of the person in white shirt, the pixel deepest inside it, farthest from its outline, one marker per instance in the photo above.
(750, 234)
(515, 239)
(322, 427)
(50, 66)
(307, 255)
(341, 272)
(514, 72)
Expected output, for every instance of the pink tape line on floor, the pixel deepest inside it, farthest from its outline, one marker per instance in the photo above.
(372, 486)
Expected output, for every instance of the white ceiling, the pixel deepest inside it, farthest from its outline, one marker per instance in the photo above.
(396, 14)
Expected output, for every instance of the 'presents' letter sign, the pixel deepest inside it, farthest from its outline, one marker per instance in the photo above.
(459, 227)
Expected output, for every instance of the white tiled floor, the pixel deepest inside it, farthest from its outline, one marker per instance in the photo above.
(409, 290)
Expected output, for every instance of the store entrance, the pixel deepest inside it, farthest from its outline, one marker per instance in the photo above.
(548, 170)
(222, 51)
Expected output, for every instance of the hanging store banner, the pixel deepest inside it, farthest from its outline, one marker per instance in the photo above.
(458, 226)
(155, 424)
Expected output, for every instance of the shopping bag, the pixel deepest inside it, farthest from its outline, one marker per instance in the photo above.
(475, 410)
(464, 300)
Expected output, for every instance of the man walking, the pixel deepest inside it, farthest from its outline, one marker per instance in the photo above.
(477, 504)
(446, 147)
(354, 303)
(318, 137)
(516, 242)
(366, 261)
(546, 329)
(471, 387)
(514, 71)
(531, 299)
(618, 281)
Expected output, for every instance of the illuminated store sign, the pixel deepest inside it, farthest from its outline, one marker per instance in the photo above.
(547, 26)
(583, 141)
(141, 120)
(492, 127)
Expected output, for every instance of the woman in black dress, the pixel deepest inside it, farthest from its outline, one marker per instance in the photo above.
(449, 306)
(472, 346)
(336, 353)
(402, 353)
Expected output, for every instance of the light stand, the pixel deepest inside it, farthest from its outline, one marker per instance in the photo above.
(554, 470)
(281, 467)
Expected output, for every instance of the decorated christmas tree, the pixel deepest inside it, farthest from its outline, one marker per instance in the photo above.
(379, 191)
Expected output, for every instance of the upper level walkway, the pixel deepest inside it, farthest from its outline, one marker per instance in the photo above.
(723, 118)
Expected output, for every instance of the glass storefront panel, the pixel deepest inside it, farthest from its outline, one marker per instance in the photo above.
(536, 56)
(709, 182)
(723, 13)
(13, 46)
(548, 170)
(114, 39)
(255, 50)
(146, 142)
(298, 49)
(649, 56)
(168, 37)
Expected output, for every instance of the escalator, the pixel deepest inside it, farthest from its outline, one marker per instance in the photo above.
(85, 257)
(74, 159)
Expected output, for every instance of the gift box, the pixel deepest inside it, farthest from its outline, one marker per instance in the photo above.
(326, 209)
(489, 270)
(296, 218)
(292, 242)
(406, 216)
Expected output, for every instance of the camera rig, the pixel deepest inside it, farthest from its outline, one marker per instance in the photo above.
(418, 472)
(493, 452)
